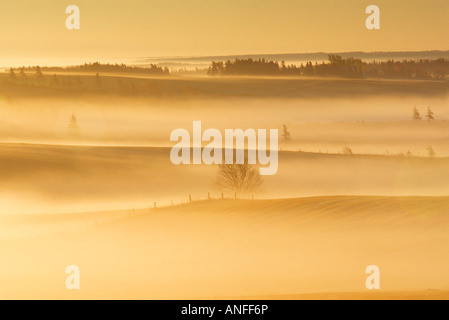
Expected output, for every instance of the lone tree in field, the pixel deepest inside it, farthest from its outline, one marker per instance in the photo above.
(429, 115)
(73, 123)
(240, 178)
(285, 134)
(430, 152)
(347, 150)
(416, 115)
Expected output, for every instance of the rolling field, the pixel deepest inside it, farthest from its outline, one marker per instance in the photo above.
(106, 197)
(175, 87)
(290, 248)
(58, 179)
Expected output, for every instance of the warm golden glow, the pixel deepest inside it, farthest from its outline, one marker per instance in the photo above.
(35, 29)
(88, 181)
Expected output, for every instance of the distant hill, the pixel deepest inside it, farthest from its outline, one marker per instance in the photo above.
(204, 61)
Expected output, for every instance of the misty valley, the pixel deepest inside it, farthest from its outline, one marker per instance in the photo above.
(88, 177)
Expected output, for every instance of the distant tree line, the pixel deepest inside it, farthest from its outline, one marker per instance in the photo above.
(336, 66)
(34, 77)
(98, 67)
(21, 77)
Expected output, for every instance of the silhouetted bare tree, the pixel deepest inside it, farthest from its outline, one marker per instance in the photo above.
(347, 150)
(240, 178)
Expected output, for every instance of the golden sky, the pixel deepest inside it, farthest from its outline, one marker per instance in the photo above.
(33, 29)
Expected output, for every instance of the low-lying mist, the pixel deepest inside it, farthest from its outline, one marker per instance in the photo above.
(385, 151)
(368, 125)
(59, 179)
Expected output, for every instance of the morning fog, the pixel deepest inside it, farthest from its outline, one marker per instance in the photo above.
(254, 151)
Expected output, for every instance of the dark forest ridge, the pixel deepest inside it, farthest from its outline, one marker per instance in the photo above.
(98, 67)
(337, 66)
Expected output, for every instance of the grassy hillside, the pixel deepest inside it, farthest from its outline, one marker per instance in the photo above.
(81, 178)
(73, 86)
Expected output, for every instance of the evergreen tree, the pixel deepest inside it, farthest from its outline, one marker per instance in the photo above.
(416, 115)
(39, 75)
(285, 134)
(73, 123)
(429, 114)
(12, 74)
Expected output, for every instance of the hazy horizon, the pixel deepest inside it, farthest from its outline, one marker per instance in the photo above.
(264, 149)
(195, 28)
(203, 61)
